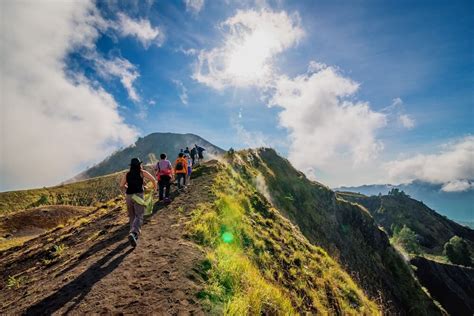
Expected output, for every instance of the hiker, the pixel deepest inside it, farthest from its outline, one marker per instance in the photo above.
(190, 169)
(180, 169)
(199, 150)
(133, 182)
(193, 155)
(164, 174)
(186, 151)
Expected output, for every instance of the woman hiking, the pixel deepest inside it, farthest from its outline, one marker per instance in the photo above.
(133, 181)
(164, 174)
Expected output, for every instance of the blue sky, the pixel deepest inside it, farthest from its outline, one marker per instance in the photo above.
(384, 89)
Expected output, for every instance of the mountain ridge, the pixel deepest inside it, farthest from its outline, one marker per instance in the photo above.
(265, 203)
(148, 149)
(458, 206)
(87, 267)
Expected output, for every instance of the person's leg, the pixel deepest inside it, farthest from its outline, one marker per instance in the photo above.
(181, 180)
(130, 210)
(168, 188)
(166, 182)
(178, 180)
(161, 185)
(138, 220)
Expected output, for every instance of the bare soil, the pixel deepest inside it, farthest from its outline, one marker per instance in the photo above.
(99, 272)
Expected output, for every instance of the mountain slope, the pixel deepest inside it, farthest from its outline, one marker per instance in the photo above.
(400, 210)
(82, 193)
(457, 206)
(149, 149)
(218, 248)
(344, 230)
(452, 286)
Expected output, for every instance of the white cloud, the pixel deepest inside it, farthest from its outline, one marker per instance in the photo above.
(397, 112)
(122, 69)
(248, 138)
(194, 6)
(52, 123)
(183, 92)
(453, 166)
(251, 41)
(397, 102)
(324, 124)
(406, 121)
(457, 186)
(141, 29)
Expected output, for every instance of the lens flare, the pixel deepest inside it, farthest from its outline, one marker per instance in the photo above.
(227, 237)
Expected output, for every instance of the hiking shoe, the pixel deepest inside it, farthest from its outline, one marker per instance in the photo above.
(133, 239)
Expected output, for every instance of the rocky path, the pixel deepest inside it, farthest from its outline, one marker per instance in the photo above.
(104, 274)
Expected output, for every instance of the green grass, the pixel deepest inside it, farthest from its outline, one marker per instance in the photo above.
(83, 193)
(15, 281)
(258, 263)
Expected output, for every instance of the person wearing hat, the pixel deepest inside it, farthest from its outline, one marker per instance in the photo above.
(132, 182)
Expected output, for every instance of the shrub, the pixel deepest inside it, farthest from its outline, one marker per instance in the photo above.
(407, 238)
(457, 251)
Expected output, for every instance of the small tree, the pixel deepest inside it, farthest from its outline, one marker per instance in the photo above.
(406, 238)
(397, 192)
(457, 251)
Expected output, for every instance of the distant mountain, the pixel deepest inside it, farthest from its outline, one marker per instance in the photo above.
(148, 149)
(458, 206)
(390, 211)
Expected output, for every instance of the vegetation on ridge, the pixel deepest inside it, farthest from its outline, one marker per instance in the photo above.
(258, 262)
(345, 230)
(83, 193)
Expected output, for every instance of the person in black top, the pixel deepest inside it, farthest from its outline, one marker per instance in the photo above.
(132, 182)
(200, 151)
(193, 155)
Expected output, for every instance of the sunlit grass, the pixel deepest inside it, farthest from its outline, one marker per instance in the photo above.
(257, 263)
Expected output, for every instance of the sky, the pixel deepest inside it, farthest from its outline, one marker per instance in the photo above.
(351, 92)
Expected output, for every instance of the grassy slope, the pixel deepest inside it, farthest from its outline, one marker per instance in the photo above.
(345, 230)
(433, 229)
(259, 263)
(83, 193)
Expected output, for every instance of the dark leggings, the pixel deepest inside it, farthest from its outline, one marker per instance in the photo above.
(163, 184)
(180, 176)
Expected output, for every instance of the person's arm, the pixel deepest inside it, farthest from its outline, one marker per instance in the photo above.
(123, 183)
(148, 175)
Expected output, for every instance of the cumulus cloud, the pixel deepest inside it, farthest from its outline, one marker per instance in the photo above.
(141, 29)
(194, 6)
(52, 123)
(183, 92)
(323, 122)
(252, 39)
(453, 166)
(327, 129)
(457, 186)
(122, 69)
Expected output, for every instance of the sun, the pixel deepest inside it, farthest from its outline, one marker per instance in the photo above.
(249, 59)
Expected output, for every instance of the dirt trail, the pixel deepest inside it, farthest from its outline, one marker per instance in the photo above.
(98, 272)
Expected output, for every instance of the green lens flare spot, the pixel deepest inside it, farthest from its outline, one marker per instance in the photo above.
(227, 237)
